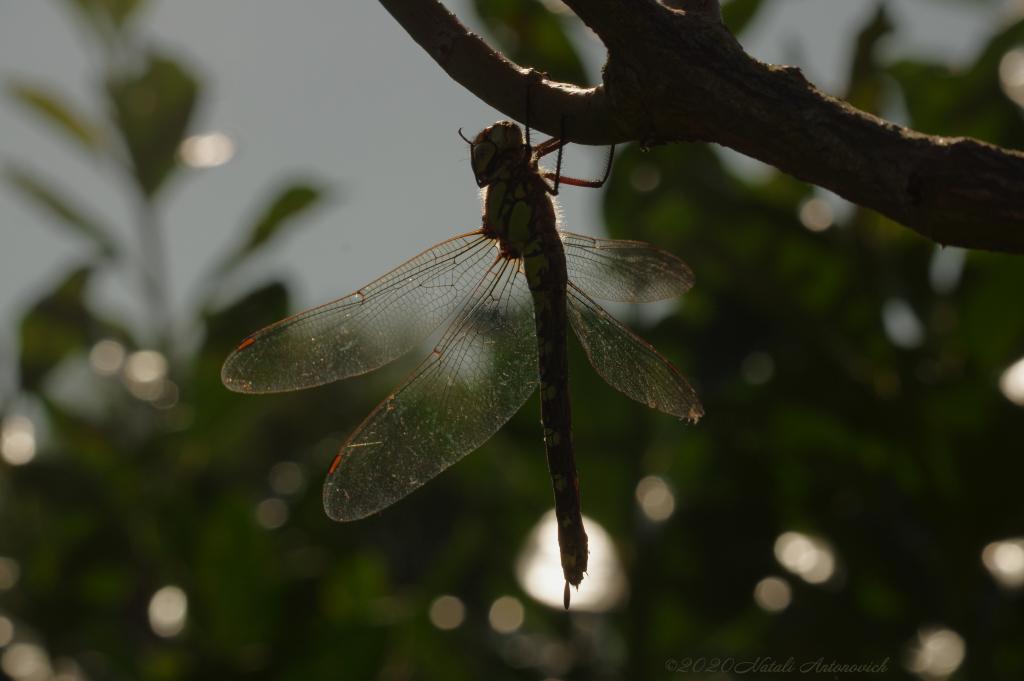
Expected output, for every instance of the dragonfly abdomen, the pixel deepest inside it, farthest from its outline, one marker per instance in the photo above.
(544, 266)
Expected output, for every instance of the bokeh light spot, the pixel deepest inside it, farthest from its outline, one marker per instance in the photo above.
(655, 498)
(286, 477)
(1011, 383)
(556, 658)
(272, 513)
(757, 368)
(945, 268)
(144, 373)
(206, 151)
(506, 615)
(17, 440)
(816, 215)
(902, 327)
(645, 177)
(6, 631)
(67, 669)
(936, 654)
(168, 609)
(106, 357)
(26, 662)
(810, 558)
(145, 366)
(773, 594)
(10, 571)
(447, 612)
(1011, 75)
(1005, 560)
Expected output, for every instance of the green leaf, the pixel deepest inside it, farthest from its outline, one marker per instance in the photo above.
(737, 13)
(282, 212)
(38, 191)
(967, 101)
(289, 204)
(108, 12)
(232, 577)
(152, 111)
(57, 113)
(57, 325)
(865, 82)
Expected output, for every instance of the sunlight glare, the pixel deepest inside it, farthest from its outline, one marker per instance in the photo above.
(655, 498)
(808, 557)
(206, 151)
(1011, 383)
(1005, 560)
(167, 611)
(447, 612)
(506, 615)
(539, 569)
(936, 654)
(17, 440)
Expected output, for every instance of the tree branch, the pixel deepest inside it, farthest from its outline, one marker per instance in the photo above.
(676, 76)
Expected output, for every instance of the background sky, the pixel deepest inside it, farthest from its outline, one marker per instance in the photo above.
(336, 93)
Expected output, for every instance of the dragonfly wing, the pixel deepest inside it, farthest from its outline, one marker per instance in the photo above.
(628, 362)
(624, 271)
(478, 376)
(365, 330)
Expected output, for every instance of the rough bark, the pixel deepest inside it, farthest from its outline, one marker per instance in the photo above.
(675, 76)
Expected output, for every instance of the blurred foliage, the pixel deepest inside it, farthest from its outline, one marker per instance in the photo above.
(906, 460)
(966, 101)
(532, 36)
(737, 13)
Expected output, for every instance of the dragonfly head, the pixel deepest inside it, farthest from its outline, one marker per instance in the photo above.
(497, 149)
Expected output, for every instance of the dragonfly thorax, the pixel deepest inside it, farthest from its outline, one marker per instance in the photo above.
(517, 205)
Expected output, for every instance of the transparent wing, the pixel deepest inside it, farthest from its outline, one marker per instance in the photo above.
(624, 271)
(478, 376)
(628, 362)
(365, 330)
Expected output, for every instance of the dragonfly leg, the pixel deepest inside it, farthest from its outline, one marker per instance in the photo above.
(526, 118)
(545, 148)
(575, 182)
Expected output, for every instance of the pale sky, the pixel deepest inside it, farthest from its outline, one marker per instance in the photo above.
(335, 92)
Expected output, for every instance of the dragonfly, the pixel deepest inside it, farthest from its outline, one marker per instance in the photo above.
(512, 289)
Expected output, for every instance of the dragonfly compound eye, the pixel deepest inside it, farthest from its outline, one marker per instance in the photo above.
(506, 135)
(483, 152)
